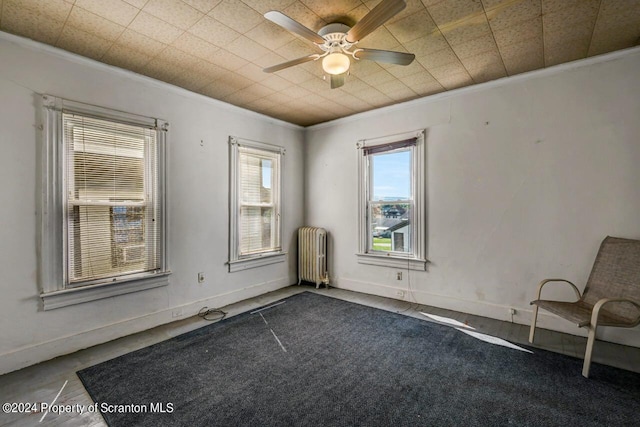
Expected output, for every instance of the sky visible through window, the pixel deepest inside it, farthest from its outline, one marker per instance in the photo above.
(392, 175)
(266, 173)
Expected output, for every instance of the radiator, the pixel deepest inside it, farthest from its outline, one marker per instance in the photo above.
(312, 256)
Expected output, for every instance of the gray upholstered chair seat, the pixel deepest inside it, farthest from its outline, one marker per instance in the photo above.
(579, 312)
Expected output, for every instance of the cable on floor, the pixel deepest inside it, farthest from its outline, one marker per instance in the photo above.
(206, 314)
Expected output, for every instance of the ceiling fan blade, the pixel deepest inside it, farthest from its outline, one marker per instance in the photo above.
(388, 56)
(294, 26)
(291, 63)
(337, 80)
(380, 14)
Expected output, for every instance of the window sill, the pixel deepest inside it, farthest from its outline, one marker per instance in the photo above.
(66, 297)
(258, 261)
(393, 262)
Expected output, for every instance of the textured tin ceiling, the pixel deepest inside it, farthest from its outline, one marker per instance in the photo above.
(219, 47)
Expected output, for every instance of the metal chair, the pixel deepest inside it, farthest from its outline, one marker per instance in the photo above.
(610, 298)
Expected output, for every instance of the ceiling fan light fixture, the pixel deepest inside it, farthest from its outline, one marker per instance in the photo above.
(336, 41)
(336, 63)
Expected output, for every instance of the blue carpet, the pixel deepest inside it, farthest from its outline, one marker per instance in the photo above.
(318, 361)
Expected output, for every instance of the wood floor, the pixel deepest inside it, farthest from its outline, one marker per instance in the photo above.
(42, 382)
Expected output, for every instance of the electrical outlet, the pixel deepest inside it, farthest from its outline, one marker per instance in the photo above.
(200, 277)
(399, 275)
(177, 312)
(400, 294)
(512, 311)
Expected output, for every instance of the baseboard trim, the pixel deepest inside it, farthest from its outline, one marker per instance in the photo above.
(629, 337)
(40, 352)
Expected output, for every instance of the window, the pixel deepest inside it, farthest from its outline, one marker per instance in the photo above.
(103, 222)
(255, 216)
(392, 216)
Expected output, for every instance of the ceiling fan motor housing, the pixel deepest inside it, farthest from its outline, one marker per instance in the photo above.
(335, 36)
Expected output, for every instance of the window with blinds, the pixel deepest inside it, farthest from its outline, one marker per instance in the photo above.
(255, 198)
(102, 227)
(111, 205)
(258, 199)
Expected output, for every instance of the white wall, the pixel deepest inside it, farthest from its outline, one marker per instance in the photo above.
(198, 202)
(526, 176)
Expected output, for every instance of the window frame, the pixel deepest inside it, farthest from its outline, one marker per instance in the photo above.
(55, 290)
(415, 260)
(238, 261)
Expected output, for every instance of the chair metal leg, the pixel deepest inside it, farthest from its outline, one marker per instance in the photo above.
(587, 354)
(532, 331)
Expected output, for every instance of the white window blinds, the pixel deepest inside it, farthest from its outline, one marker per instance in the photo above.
(111, 205)
(395, 145)
(258, 201)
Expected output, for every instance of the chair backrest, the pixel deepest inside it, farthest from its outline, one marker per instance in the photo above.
(616, 274)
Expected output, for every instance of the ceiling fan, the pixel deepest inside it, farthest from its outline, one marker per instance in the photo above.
(336, 40)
